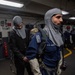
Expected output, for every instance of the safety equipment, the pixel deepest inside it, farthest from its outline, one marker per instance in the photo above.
(5, 49)
(35, 66)
(67, 27)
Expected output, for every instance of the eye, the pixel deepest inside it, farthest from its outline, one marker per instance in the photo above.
(58, 17)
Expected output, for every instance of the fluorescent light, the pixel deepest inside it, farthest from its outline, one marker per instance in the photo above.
(13, 4)
(65, 12)
(73, 18)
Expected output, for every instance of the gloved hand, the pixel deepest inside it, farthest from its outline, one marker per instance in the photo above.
(63, 66)
(25, 59)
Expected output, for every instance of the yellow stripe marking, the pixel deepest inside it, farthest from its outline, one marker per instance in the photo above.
(70, 52)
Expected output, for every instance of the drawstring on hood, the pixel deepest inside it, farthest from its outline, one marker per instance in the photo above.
(17, 20)
(53, 30)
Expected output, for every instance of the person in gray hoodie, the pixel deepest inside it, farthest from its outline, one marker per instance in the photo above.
(18, 43)
(51, 59)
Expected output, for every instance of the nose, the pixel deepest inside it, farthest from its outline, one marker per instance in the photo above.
(61, 19)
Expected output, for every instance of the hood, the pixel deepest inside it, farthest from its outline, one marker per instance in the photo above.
(51, 29)
(17, 20)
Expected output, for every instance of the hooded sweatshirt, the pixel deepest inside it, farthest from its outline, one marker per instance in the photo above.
(52, 30)
(20, 32)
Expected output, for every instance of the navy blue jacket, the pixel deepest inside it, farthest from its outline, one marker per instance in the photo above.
(51, 55)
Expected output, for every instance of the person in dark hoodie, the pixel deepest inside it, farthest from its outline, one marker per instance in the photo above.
(73, 36)
(67, 35)
(18, 42)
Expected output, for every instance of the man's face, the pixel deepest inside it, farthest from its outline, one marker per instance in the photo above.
(57, 19)
(19, 26)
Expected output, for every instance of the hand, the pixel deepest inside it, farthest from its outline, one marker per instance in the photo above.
(25, 59)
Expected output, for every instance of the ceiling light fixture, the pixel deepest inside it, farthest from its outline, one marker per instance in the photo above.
(72, 18)
(12, 4)
(65, 12)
